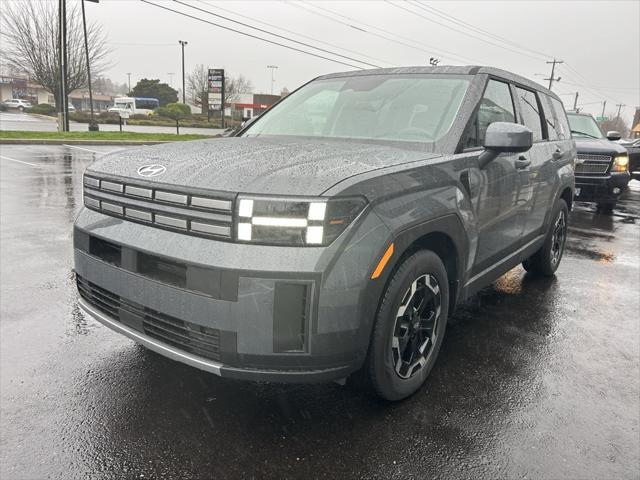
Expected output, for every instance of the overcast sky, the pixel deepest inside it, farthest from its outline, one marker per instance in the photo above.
(598, 41)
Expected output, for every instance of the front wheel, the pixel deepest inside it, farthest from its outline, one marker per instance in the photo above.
(545, 261)
(409, 327)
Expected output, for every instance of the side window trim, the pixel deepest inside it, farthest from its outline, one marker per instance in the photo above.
(472, 119)
(543, 122)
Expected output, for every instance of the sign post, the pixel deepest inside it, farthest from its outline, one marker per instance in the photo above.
(215, 91)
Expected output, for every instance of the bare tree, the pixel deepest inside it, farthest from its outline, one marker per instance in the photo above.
(197, 86)
(29, 38)
(236, 86)
(615, 123)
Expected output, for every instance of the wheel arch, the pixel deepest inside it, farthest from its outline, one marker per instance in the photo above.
(567, 196)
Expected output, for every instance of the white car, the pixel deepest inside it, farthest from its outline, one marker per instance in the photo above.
(17, 103)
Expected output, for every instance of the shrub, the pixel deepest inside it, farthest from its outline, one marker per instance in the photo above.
(173, 110)
(42, 109)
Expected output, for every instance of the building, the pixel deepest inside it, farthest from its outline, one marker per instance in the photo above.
(21, 87)
(249, 105)
(635, 125)
(80, 100)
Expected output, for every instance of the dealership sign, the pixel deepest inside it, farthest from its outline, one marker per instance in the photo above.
(215, 88)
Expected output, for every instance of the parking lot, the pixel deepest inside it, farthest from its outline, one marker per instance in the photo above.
(537, 378)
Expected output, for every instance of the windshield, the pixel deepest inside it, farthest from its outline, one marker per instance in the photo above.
(415, 108)
(584, 126)
(122, 105)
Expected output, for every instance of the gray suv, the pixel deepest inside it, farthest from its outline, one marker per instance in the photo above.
(337, 232)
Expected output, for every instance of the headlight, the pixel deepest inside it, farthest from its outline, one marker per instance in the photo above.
(294, 221)
(621, 163)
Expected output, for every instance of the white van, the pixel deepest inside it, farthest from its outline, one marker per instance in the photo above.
(134, 105)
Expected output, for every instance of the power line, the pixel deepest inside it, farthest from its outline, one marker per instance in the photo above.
(413, 12)
(422, 46)
(250, 35)
(462, 23)
(262, 30)
(262, 22)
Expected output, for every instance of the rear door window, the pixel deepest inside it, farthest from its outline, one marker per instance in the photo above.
(496, 106)
(530, 112)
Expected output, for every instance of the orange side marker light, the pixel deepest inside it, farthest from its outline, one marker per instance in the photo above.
(382, 263)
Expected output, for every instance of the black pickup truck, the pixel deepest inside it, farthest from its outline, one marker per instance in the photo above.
(602, 166)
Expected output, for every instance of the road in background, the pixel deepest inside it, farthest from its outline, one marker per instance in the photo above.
(537, 378)
(24, 121)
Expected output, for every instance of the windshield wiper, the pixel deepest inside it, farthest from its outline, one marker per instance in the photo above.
(583, 133)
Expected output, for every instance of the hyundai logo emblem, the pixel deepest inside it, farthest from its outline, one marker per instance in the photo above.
(152, 170)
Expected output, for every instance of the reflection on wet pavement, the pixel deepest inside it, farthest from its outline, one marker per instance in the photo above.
(537, 378)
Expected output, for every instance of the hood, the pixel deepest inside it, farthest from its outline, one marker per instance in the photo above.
(598, 146)
(256, 165)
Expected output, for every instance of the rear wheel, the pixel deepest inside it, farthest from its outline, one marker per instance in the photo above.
(409, 327)
(546, 260)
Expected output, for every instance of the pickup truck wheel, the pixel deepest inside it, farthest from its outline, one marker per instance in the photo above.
(409, 327)
(545, 261)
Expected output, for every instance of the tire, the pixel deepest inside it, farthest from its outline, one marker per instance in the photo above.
(606, 207)
(21, 109)
(423, 277)
(546, 260)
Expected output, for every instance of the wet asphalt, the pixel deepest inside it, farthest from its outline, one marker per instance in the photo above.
(537, 378)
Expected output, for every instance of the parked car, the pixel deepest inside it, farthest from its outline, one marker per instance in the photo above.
(633, 149)
(335, 234)
(602, 166)
(17, 104)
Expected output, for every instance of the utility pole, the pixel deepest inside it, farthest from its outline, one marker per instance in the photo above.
(619, 105)
(272, 68)
(184, 95)
(171, 74)
(93, 125)
(604, 104)
(575, 102)
(129, 75)
(553, 69)
(63, 108)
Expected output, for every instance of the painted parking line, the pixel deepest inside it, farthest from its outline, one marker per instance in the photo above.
(80, 148)
(20, 161)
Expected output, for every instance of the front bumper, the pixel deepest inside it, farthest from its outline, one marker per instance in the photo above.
(243, 311)
(601, 189)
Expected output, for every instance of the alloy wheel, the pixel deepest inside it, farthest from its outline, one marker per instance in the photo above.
(416, 326)
(559, 237)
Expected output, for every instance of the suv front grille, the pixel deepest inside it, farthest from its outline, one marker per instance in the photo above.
(203, 215)
(186, 336)
(592, 164)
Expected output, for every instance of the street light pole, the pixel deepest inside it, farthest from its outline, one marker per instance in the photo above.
(183, 43)
(272, 68)
(63, 122)
(129, 76)
(93, 125)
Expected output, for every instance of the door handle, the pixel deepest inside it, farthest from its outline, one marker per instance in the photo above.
(558, 154)
(522, 162)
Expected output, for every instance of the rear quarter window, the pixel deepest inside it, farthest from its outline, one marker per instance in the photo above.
(562, 122)
(530, 112)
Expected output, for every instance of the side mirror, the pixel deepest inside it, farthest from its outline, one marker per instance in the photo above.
(505, 137)
(247, 122)
(613, 135)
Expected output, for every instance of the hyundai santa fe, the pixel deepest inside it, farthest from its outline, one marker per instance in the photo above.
(335, 234)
